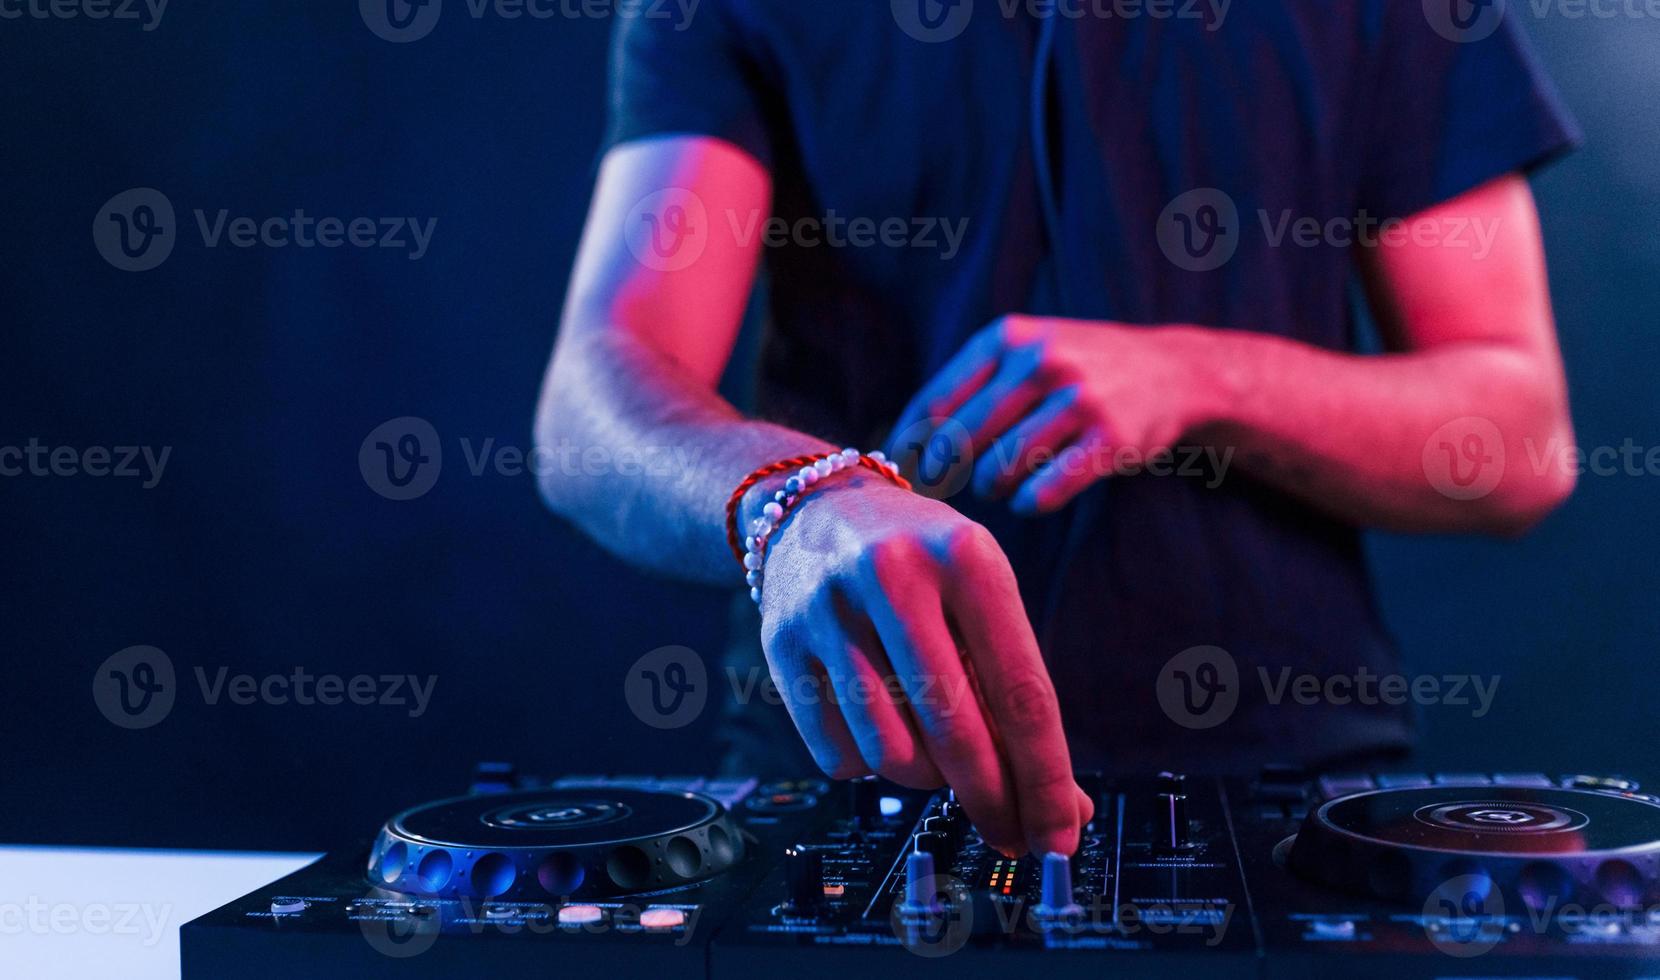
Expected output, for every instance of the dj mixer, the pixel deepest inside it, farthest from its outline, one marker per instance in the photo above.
(1287, 874)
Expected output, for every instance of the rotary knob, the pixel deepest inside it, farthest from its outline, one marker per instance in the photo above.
(1059, 908)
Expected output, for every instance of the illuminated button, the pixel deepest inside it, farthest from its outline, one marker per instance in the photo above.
(581, 915)
(1615, 783)
(835, 891)
(891, 806)
(660, 918)
(286, 906)
(1341, 929)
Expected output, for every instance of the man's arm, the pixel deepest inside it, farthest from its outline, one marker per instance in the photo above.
(866, 585)
(1409, 440)
(647, 330)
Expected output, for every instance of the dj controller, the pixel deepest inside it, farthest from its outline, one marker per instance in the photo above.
(1282, 875)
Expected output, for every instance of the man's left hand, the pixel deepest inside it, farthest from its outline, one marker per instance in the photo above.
(1049, 406)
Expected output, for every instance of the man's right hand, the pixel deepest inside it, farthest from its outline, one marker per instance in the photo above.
(895, 633)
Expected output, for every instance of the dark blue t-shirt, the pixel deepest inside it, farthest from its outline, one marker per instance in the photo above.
(1183, 151)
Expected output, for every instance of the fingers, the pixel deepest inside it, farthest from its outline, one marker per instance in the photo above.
(1012, 392)
(823, 728)
(887, 738)
(1015, 455)
(961, 376)
(947, 715)
(1020, 701)
(1057, 482)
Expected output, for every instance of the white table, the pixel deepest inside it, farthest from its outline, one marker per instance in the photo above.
(115, 912)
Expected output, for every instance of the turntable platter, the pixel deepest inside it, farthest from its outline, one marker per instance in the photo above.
(556, 843)
(1537, 844)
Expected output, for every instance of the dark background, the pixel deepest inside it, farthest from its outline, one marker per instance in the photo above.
(263, 548)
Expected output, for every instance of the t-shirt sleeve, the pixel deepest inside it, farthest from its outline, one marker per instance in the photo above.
(1452, 112)
(691, 76)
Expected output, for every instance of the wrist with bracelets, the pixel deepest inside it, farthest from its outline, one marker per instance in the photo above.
(808, 471)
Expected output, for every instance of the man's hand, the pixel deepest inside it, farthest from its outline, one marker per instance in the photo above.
(895, 632)
(1049, 406)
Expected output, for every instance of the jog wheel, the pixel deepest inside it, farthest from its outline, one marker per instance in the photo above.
(1540, 847)
(539, 845)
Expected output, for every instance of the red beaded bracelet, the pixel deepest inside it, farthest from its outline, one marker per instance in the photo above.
(810, 469)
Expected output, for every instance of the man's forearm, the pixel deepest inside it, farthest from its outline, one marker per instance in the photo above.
(1349, 432)
(610, 397)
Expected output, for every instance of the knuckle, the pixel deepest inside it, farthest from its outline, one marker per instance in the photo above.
(1029, 703)
(950, 735)
(973, 542)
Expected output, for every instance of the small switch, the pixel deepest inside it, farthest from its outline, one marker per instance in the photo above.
(581, 915)
(662, 918)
